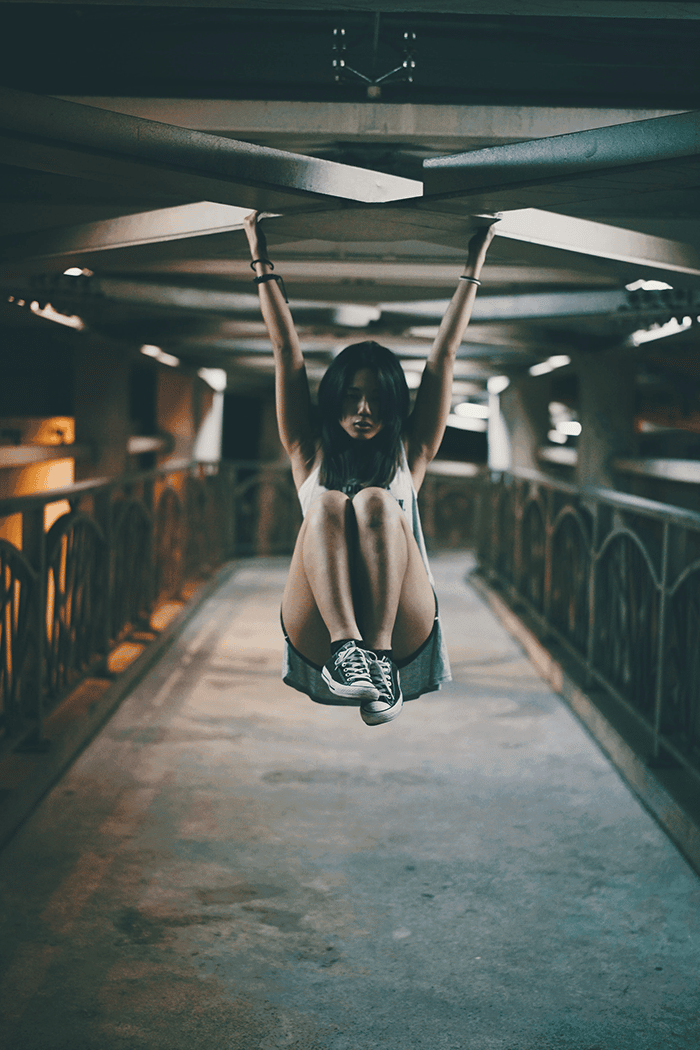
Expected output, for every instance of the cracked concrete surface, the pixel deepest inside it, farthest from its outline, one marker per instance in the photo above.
(229, 866)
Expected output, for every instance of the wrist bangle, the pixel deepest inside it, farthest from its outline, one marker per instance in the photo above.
(472, 280)
(265, 277)
(265, 262)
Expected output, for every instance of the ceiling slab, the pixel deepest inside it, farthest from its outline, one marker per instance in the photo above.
(659, 9)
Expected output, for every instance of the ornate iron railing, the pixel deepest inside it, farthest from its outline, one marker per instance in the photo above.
(616, 580)
(71, 594)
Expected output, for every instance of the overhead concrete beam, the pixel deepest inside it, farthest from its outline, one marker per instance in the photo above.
(595, 239)
(287, 124)
(558, 156)
(148, 227)
(660, 9)
(50, 134)
(611, 164)
(602, 303)
(614, 303)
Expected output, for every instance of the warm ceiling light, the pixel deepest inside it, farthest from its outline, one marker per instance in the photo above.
(76, 271)
(160, 355)
(648, 286)
(215, 377)
(497, 384)
(466, 423)
(557, 361)
(659, 331)
(470, 410)
(48, 312)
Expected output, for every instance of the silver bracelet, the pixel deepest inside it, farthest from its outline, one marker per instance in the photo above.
(472, 280)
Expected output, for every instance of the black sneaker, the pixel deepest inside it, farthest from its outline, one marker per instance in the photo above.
(347, 673)
(385, 675)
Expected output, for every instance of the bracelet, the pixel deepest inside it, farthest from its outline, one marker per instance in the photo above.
(265, 262)
(265, 277)
(472, 280)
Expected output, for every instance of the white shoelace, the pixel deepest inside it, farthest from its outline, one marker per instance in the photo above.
(353, 663)
(381, 677)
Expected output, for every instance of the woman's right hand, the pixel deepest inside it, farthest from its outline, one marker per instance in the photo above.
(255, 235)
(479, 243)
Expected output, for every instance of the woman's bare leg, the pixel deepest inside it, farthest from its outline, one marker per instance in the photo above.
(357, 572)
(395, 604)
(317, 607)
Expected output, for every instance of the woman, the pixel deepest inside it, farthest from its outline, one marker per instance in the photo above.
(359, 612)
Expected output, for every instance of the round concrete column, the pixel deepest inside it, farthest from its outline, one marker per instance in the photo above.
(606, 414)
(525, 411)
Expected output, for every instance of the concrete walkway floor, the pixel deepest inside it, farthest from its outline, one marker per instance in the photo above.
(229, 866)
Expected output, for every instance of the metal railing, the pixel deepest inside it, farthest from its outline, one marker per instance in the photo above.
(70, 595)
(615, 579)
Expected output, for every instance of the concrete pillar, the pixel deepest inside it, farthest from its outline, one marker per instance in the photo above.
(606, 414)
(271, 507)
(524, 406)
(101, 409)
(175, 412)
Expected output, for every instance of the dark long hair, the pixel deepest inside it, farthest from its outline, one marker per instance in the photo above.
(350, 464)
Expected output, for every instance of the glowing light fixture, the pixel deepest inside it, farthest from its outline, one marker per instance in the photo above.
(215, 377)
(76, 271)
(48, 312)
(557, 437)
(466, 423)
(497, 384)
(470, 410)
(557, 361)
(648, 286)
(659, 331)
(160, 355)
(569, 427)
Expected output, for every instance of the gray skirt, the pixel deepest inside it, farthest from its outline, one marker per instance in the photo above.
(423, 671)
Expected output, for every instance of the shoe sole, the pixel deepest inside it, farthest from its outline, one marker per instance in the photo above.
(378, 719)
(351, 692)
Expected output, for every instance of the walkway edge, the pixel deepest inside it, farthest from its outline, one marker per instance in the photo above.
(676, 821)
(17, 803)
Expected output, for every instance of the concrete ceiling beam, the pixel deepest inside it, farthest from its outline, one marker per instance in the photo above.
(432, 127)
(623, 145)
(583, 237)
(50, 134)
(666, 9)
(128, 231)
(610, 164)
(629, 307)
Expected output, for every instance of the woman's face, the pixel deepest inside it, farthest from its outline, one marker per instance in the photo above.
(360, 415)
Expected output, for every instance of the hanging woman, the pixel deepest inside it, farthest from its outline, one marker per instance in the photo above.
(359, 611)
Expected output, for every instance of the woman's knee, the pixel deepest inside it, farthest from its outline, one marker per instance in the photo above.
(327, 509)
(375, 507)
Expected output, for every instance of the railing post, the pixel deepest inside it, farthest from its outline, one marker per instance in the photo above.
(593, 561)
(547, 591)
(661, 633)
(102, 504)
(34, 549)
(232, 507)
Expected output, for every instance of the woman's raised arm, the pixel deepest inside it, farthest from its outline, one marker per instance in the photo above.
(433, 400)
(292, 396)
